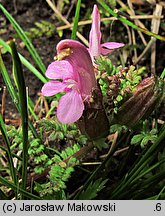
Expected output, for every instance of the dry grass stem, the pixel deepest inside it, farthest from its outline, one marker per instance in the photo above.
(147, 48)
(3, 103)
(155, 24)
(58, 14)
(137, 22)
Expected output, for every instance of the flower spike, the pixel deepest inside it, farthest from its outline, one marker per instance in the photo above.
(95, 46)
(73, 74)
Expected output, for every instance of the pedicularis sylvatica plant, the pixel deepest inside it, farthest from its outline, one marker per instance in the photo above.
(98, 110)
(75, 71)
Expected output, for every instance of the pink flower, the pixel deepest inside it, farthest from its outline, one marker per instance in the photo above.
(73, 74)
(95, 46)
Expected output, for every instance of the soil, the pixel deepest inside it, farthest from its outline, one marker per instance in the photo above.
(26, 13)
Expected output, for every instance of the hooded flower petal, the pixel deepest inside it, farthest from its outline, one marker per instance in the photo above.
(59, 70)
(81, 62)
(95, 46)
(53, 87)
(95, 34)
(109, 46)
(70, 107)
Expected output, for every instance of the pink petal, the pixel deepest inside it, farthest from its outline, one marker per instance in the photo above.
(70, 107)
(52, 88)
(109, 46)
(105, 51)
(59, 70)
(95, 34)
(80, 60)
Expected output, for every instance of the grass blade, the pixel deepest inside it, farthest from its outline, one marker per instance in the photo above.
(20, 83)
(26, 63)
(8, 151)
(162, 74)
(8, 83)
(3, 196)
(25, 39)
(14, 187)
(76, 19)
(140, 165)
(129, 23)
(14, 95)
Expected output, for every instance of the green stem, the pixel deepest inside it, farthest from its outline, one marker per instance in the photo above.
(13, 154)
(13, 93)
(160, 193)
(20, 83)
(14, 187)
(9, 154)
(129, 23)
(102, 166)
(3, 196)
(76, 19)
(162, 74)
(140, 165)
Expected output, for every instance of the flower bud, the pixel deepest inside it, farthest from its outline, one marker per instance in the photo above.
(147, 95)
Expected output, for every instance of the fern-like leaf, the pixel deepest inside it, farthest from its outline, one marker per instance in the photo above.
(92, 190)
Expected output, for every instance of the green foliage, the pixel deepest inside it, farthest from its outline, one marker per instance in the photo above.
(128, 81)
(76, 19)
(117, 82)
(93, 189)
(144, 137)
(106, 68)
(43, 28)
(117, 127)
(57, 131)
(105, 65)
(100, 143)
(36, 150)
(60, 172)
(161, 157)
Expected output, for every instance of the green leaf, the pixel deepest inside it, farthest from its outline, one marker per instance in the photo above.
(144, 141)
(153, 131)
(137, 138)
(69, 151)
(20, 83)
(64, 155)
(128, 22)
(100, 143)
(92, 189)
(76, 18)
(7, 142)
(14, 187)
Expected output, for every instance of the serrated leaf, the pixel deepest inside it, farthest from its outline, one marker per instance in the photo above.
(53, 136)
(34, 143)
(64, 155)
(153, 131)
(69, 151)
(92, 189)
(57, 159)
(100, 143)
(144, 141)
(76, 148)
(72, 162)
(137, 138)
